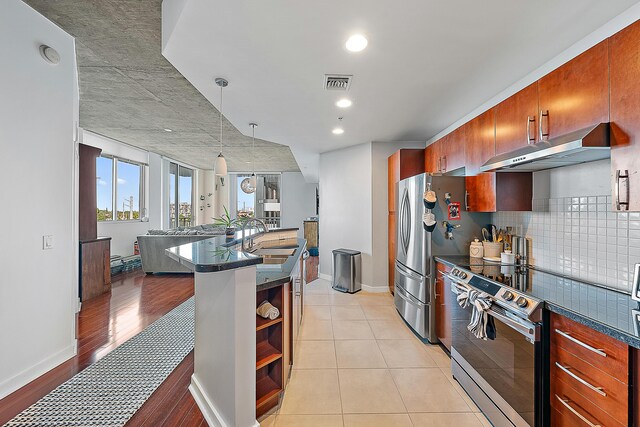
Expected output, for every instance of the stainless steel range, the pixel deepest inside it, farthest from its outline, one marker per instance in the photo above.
(502, 375)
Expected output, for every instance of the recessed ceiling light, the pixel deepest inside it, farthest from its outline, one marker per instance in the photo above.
(168, 130)
(344, 103)
(356, 43)
(337, 131)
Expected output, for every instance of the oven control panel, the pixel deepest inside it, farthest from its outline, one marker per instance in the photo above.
(504, 296)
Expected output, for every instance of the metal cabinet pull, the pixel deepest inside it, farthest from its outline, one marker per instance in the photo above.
(530, 119)
(566, 369)
(466, 200)
(438, 164)
(597, 351)
(444, 161)
(621, 174)
(565, 402)
(543, 136)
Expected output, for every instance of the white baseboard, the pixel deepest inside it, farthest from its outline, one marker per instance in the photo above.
(208, 409)
(366, 288)
(375, 289)
(325, 276)
(26, 376)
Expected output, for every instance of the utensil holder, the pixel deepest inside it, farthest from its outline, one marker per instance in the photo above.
(492, 249)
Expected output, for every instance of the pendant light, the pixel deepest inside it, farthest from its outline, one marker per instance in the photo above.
(220, 166)
(248, 185)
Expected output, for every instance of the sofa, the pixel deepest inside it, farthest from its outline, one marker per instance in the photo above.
(153, 244)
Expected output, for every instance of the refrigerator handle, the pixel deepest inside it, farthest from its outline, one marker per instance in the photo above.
(407, 225)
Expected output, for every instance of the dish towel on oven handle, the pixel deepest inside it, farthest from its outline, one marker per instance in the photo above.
(482, 325)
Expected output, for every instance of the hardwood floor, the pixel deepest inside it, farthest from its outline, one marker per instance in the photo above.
(107, 321)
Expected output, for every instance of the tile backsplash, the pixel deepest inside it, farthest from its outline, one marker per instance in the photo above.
(580, 237)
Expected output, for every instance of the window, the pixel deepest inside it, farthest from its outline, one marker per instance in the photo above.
(180, 192)
(264, 203)
(120, 189)
(104, 180)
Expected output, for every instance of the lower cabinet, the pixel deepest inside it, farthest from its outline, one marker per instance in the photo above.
(95, 268)
(276, 340)
(271, 345)
(590, 376)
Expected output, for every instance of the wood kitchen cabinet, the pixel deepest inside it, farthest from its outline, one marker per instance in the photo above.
(576, 94)
(516, 119)
(446, 154)
(491, 191)
(625, 118)
(402, 164)
(453, 151)
(589, 376)
(432, 157)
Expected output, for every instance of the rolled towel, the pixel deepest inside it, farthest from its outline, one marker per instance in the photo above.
(268, 311)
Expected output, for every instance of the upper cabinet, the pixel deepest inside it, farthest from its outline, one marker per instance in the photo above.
(432, 157)
(453, 151)
(575, 95)
(446, 154)
(479, 134)
(516, 119)
(625, 118)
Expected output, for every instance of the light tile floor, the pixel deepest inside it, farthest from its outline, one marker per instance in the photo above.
(359, 365)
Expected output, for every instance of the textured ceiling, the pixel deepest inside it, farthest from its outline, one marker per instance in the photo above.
(130, 92)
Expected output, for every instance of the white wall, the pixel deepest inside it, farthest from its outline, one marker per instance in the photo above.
(298, 201)
(38, 112)
(380, 152)
(345, 206)
(206, 183)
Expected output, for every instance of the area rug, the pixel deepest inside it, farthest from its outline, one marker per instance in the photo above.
(110, 391)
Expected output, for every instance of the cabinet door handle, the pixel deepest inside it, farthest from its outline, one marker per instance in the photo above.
(530, 120)
(622, 174)
(566, 402)
(466, 200)
(582, 381)
(444, 161)
(597, 351)
(543, 135)
(438, 164)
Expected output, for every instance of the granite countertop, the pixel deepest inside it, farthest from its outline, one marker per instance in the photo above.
(606, 310)
(218, 254)
(271, 275)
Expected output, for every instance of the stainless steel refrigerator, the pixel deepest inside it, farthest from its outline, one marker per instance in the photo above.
(416, 247)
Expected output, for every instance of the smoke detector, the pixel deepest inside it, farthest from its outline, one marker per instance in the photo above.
(337, 81)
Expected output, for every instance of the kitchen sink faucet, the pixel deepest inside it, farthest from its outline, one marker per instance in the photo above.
(250, 220)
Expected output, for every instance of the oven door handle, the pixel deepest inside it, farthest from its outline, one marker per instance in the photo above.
(531, 331)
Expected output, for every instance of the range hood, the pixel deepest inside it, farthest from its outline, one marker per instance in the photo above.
(586, 145)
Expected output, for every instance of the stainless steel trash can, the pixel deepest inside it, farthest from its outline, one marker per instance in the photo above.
(346, 270)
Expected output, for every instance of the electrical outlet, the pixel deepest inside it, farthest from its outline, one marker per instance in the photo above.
(47, 242)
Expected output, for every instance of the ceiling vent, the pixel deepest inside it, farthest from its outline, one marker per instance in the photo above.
(337, 81)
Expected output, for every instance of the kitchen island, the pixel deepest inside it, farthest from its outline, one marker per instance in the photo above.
(241, 361)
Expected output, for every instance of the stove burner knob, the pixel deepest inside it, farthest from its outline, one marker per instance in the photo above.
(508, 295)
(522, 302)
(463, 275)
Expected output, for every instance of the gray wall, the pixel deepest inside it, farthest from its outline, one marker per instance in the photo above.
(345, 206)
(353, 207)
(298, 201)
(579, 235)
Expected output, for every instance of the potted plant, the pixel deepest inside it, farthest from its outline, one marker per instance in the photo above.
(227, 221)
